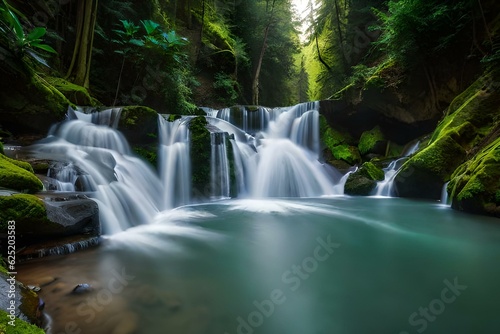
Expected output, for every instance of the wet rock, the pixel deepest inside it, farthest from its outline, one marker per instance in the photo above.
(74, 216)
(82, 288)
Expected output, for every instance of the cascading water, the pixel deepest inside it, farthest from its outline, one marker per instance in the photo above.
(386, 187)
(280, 160)
(127, 190)
(444, 194)
(174, 162)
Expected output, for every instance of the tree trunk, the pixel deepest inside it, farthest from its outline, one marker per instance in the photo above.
(79, 69)
(255, 82)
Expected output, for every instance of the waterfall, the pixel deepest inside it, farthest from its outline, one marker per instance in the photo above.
(444, 194)
(255, 152)
(219, 166)
(174, 162)
(386, 187)
(127, 190)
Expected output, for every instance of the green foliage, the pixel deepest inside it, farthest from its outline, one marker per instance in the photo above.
(21, 326)
(225, 86)
(416, 30)
(369, 139)
(18, 175)
(150, 46)
(1, 148)
(18, 42)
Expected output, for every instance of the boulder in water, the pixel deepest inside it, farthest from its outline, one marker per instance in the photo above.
(364, 180)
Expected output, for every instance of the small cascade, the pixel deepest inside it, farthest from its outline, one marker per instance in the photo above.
(249, 119)
(125, 187)
(339, 188)
(444, 195)
(305, 131)
(385, 188)
(109, 117)
(174, 161)
(219, 166)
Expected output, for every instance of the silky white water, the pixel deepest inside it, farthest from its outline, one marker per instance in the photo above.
(264, 153)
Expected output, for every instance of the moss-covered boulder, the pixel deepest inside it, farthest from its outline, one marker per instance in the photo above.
(337, 145)
(77, 95)
(139, 124)
(470, 118)
(200, 156)
(372, 141)
(364, 180)
(29, 104)
(37, 220)
(475, 185)
(18, 175)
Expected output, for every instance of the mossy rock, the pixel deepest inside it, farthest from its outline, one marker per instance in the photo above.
(336, 144)
(77, 95)
(359, 185)
(369, 170)
(18, 175)
(364, 180)
(30, 104)
(139, 124)
(26, 210)
(471, 117)
(475, 185)
(21, 326)
(200, 156)
(372, 141)
(349, 154)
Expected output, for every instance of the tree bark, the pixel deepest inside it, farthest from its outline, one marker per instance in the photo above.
(79, 69)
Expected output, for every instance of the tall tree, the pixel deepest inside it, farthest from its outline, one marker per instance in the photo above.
(270, 6)
(79, 69)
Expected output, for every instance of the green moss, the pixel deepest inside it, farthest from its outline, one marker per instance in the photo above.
(21, 327)
(347, 153)
(18, 175)
(139, 124)
(51, 98)
(133, 116)
(475, 184)
(330, 136)
(173, 117)
(371, 171)
(26, 210)
(75, 94)
(369, 139)
(200, 154)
